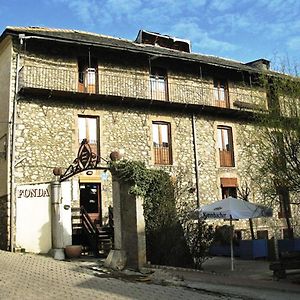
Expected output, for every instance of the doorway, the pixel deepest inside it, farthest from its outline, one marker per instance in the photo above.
(90, 199)
(87, 75)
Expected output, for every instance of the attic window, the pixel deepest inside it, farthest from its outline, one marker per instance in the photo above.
(165, 41)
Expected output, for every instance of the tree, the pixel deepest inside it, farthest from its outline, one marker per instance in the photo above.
(279, 140)
(244, 192)
(199, 237)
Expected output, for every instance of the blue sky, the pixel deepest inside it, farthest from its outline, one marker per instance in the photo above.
(242, 30)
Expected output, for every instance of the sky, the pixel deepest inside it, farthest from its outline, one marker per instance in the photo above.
(242, 30)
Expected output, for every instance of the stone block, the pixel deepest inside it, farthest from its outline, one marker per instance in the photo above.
(116, 260)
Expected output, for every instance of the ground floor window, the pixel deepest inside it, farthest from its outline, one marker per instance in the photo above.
(262, 234)
(229, 187)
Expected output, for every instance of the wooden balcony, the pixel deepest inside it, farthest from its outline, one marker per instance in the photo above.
(139, 87)
(162, 155)
(226, 158)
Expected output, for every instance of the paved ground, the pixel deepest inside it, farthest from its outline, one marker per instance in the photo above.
(26, 276)
(251, 279)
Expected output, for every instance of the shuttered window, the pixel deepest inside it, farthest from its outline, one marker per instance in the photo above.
(229, 187)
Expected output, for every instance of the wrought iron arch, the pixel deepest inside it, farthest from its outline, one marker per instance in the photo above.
(86, 160)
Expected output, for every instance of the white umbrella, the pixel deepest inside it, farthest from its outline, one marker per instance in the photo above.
(230, 209)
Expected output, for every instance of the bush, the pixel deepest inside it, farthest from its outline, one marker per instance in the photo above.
(200, 236)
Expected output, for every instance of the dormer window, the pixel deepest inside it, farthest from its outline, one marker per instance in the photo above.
(221, 95)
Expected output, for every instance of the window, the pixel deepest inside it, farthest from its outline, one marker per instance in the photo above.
(225, 146)
(88, 129)
(262, 234)
(158, 84)
(162, 143)
(229, 187)
(229, 192)
(87, 75)
(221, 93)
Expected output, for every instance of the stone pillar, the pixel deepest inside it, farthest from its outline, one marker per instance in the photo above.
(129, 229)
(57, 227)
(117, 211)
(141, 234)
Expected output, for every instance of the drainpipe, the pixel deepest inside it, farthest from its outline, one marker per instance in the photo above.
(12, 160)
(196, 159)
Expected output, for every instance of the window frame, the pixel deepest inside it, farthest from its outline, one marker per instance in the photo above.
(221, 88)
(88, 75)
(226, 156)
(97, 144)
(157, 78)
(262, 234)
(229, 187)
(160, 150)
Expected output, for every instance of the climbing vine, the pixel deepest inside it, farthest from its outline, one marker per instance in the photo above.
(154, 186)
(169, 242)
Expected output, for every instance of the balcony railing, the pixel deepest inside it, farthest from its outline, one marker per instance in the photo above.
(162, 155)
(139, 86)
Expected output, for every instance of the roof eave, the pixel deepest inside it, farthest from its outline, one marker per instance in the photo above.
(10, 31)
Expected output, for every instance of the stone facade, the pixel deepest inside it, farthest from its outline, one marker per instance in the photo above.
(47, 125)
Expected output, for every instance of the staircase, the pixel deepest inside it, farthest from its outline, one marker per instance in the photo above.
(95, 239)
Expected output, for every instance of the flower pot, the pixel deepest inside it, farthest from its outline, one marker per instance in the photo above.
(73, 251)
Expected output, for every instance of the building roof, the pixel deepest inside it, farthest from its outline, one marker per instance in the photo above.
(82, 37)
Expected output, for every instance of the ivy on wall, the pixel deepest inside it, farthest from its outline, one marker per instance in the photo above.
(164, 234)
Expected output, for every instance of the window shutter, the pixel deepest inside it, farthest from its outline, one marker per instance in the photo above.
(229, 182)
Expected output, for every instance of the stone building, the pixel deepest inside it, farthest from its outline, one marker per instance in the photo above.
(152, 99)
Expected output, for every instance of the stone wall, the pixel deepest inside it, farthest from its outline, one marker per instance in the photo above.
(46, 137)
(5, 79)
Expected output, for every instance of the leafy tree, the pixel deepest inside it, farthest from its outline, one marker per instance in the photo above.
(278, 135)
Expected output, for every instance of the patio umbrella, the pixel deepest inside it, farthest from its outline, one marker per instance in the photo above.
(232, 209)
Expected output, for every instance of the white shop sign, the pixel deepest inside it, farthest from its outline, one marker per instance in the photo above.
(33, 217)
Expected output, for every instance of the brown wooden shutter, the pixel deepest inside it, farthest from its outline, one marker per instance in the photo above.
(229, 182)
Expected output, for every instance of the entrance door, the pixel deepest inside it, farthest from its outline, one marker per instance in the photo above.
(90, 199)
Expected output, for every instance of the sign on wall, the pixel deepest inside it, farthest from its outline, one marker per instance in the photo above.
(33, 218)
